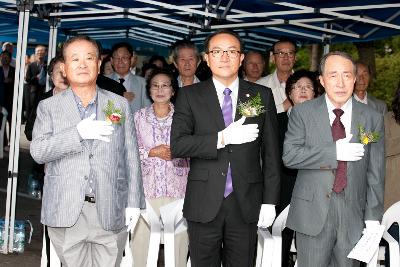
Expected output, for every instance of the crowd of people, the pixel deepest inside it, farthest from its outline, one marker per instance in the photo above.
(237, 144)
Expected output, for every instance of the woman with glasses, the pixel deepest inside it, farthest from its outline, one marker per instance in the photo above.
(301, 86)
(164, 178)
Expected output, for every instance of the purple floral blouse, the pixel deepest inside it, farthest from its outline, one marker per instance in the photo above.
(161, 178)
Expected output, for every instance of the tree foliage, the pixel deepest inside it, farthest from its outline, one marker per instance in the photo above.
(387, 62)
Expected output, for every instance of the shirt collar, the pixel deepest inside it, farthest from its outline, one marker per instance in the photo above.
(234, 86)
(79, 102)
(346, 107)
(180, 84)
(365, 100)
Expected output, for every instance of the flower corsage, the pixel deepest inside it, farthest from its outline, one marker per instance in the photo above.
(251, 108)
(113, 115)
(367, 137)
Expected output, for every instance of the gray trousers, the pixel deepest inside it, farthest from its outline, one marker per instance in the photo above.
(332, 245)
(86, 243)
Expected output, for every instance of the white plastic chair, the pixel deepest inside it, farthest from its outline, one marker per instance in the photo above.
(269, 247)
(391, 216)
(3, 131)
(171, 223)
(174, 223)
(54, 260)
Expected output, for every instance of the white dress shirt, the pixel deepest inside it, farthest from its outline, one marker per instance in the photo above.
(345, 118)
(180, 83)
(278, 89)
(234, 86)
(365, 100)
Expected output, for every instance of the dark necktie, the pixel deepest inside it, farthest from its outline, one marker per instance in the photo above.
(121, 81)
(338, 132)
(227, 113)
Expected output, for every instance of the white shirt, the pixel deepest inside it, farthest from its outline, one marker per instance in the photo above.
(133, 71)
(365, 100)
(234, 86)
(278, 89)
(180, 83)
(345, 118)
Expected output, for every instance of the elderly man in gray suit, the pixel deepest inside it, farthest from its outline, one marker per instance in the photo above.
(135, 85)
(92, 188)
(363, 81)
(339, 186)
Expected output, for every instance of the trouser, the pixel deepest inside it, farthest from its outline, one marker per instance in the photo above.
(227, 238)
(86, 243)
(332, 245)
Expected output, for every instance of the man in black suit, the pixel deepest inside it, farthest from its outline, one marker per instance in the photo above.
(228, 190)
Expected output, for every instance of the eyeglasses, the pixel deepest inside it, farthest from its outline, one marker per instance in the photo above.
(300, 88)
(281, 54)
(123, 59)
(162, 86)
(229, 53)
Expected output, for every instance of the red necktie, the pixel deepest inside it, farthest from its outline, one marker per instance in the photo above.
(338, 132)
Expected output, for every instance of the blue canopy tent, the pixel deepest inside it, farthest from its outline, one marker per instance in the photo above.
(153, 25)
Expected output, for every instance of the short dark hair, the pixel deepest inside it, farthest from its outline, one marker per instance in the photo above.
(365, 65)
(157, 71)
(154, 58)
(297, 75)
(103, 63)
(224, 31)
(336, 53)
(180, 44)
(5, 52)
(53, 62)
(284, 40)
(80, 38)
(119, 45)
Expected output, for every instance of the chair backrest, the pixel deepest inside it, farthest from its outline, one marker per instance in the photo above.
(391, 215)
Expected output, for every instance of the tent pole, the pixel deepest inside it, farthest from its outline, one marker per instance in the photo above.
(52, 50)
(24, 7)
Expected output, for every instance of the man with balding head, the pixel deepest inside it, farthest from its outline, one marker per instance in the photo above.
(253, 66)
(93, 187)
(361, 87)
(340, 182)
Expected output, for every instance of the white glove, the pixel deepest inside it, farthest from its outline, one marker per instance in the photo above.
(90, 129)
(237, 133)
(346, 151)
(369, 224)
(131, 217)
(267, 215)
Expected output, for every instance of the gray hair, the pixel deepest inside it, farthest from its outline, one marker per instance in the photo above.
(183, 44)
(336, 53)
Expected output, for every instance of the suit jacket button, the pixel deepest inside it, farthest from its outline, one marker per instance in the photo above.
(223, 174)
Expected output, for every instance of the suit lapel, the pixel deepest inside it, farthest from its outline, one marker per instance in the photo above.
(101, 103)
(210, 97)
(70, 107)
(356, 120)
(322, 118)
(245, 92)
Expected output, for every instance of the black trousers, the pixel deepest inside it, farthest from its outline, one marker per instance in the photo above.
(228, 238)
